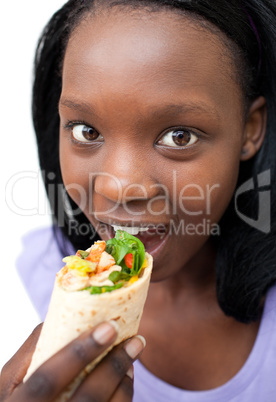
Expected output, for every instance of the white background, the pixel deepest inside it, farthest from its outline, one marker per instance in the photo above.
(21, 25)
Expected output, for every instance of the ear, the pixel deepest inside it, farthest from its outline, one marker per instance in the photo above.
(255, 128)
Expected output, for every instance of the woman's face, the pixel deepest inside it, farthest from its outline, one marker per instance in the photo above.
(151, 130)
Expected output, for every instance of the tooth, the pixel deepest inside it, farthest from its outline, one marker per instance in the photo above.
(116, 227)
(130, 230)
(133, 230)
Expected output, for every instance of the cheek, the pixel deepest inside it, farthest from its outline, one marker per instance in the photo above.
(203, 191)
(75, 175)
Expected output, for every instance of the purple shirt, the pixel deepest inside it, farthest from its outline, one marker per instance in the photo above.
(255, 382)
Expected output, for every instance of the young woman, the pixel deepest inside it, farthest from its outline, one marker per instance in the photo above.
(159, 116)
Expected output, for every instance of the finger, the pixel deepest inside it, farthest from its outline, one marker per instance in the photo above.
(15, 369)
(106, 377)
(124, 392)
(58, 372)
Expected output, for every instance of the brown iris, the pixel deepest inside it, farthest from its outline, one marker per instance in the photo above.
(181, 137)
(89, 133)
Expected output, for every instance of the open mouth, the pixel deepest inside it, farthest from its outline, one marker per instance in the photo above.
(153, 236)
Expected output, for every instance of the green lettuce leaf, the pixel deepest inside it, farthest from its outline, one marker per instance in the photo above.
(83, 254)
(103, 289)
(117, 276)
(124, 243)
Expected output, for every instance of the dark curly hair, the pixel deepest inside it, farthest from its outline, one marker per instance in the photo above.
(245, 266)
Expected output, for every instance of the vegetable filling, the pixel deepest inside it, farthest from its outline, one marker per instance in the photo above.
(106, 266)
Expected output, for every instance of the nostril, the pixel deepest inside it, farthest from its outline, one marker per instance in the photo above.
(137, 191)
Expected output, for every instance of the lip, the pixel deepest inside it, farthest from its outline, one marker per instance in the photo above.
(155, 249)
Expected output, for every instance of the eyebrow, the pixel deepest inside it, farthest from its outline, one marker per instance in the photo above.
(185, 108)
(79, 107)
(174, 109)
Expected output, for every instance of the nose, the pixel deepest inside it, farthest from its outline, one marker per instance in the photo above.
(122, 188)
(125, 178)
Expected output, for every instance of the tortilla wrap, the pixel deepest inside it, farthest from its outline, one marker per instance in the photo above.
(73, 312)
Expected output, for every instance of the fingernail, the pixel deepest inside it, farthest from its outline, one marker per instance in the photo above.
(105, 332)
(130, 372)
(135, 346)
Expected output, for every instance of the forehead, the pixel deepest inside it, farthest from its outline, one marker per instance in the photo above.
(126, 52)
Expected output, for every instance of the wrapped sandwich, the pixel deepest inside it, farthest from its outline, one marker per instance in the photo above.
(109, 281)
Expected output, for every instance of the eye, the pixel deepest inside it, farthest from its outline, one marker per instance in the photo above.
(178, 138)
(83, 133)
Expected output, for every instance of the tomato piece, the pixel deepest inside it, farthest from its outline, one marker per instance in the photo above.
(129, 260)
